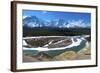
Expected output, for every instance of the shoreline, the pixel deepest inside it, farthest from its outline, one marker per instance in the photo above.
(83, 54)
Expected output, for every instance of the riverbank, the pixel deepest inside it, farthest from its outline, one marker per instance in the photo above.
(83, 54)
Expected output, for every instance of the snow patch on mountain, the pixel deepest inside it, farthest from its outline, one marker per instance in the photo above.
(78, 23)
(33, 21)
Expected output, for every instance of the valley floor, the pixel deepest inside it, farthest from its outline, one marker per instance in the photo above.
(83, 54)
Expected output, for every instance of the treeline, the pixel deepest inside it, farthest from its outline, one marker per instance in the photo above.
(47, 31)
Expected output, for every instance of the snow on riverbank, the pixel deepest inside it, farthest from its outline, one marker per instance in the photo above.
(74, 43)
(41, 37)
(35, 37)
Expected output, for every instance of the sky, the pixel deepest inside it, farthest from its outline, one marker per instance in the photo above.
(72, 17)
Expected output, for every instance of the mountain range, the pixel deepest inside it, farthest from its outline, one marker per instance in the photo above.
(34, 21)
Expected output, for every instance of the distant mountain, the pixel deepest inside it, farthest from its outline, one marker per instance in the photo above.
(33, 21)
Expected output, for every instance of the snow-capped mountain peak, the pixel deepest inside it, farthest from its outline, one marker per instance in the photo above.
(34, 21)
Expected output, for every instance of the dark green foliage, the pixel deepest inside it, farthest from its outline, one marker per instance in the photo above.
(49, 31)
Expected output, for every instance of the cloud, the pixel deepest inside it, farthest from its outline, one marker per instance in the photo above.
(78, 23)
(25, 16)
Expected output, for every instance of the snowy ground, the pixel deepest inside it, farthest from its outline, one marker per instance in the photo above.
(84, 53)
(74, 43)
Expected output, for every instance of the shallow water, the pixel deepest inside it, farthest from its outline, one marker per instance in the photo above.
(75, 46)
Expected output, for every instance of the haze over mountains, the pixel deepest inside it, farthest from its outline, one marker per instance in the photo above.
(34, 21)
